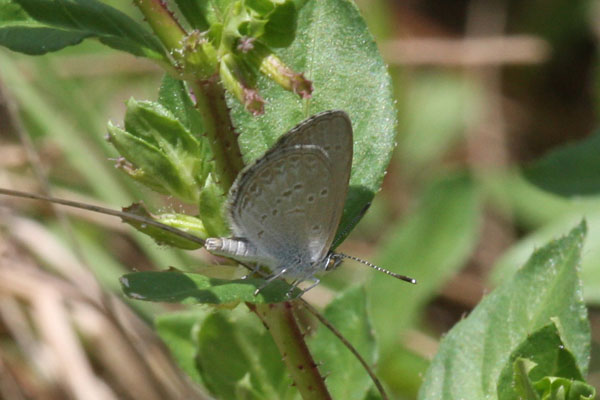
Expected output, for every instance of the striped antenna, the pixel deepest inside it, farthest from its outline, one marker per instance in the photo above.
(375, 267)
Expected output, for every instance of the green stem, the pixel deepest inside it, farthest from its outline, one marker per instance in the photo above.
(210, 102)
(163, 23)
(283, 327)
(279, 317)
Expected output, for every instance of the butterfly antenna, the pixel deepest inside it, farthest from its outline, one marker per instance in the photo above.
(348, 345)
(350, 226)
(375, 267)
(102, 210)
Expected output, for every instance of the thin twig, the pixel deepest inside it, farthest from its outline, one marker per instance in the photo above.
(348, 345)
(109, 211)
(289, 339)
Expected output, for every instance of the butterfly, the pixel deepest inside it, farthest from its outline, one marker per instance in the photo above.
(285, 208)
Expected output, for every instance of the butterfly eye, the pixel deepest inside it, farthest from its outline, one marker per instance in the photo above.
(333, 262)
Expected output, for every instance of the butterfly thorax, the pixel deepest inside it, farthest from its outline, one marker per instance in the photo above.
(284, 209)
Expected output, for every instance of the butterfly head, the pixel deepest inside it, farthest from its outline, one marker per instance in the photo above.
(333, 260)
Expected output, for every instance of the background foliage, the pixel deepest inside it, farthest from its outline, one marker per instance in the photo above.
(496, 158)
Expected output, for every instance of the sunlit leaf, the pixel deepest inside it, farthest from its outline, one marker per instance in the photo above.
(334, 49)
(347, 379)
(67, 22)
(547, 355)
(253, 370)
(571, 170)
(472, 355)
(190, 288)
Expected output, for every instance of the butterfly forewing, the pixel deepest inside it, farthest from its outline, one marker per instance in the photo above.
(332, 132)
(288, 204)
(283, 205)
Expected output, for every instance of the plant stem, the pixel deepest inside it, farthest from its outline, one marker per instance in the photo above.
(162, 22)
(210, 102)
(210, 96)
(283, 327)
(278, 317)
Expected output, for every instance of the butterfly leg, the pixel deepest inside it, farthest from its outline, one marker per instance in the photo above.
(252, 273)
(270, 279)
(294, 286)
(298, 282)
(315, 283)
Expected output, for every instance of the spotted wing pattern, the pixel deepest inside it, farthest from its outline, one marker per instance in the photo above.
(332, 132)
(289, 202)
(283, 205)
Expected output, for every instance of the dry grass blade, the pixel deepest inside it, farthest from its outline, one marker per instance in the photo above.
(72, 341)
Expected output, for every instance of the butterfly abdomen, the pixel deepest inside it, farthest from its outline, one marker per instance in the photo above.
(237, 248)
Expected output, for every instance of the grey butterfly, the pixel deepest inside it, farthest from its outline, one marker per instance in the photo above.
(285, 208)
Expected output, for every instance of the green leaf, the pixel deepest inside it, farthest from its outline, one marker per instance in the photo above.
(516, 255)
(183, 222)
(402, 370)
(571, 170)
(261, 7)
(553, 388)
(145, 118)
(179, 330)
(164, 154)
(11, 11)
(430, 245)
(347, 379)
(544, 349)
(436, 109)
(215, 13)
(73, 19)
(334, 49)
(210, 208)
(523, 387)
(529, 205)
(253, 370)
(190, 288)
(175, 97)
(280, 29)
(471, 356)
(37, 40)
(545, 215)
(195, 12)
(137, 153)
(19, 32)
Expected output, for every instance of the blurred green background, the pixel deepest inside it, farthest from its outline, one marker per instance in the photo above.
(483, 89)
